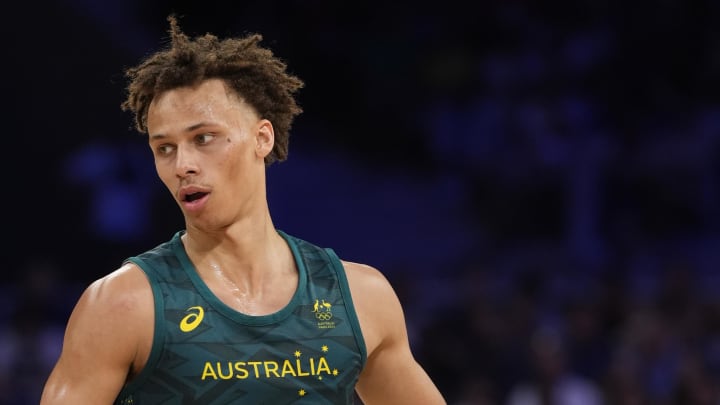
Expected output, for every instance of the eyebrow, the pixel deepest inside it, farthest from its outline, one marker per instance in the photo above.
(188, 129)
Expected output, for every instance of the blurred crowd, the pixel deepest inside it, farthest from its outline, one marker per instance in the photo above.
(541, 330)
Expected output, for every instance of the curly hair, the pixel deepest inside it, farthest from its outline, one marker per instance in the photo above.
(253, 72)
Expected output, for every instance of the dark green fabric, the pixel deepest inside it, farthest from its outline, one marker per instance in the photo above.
(310, 352)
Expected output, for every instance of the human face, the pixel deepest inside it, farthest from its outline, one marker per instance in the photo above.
(209, 149)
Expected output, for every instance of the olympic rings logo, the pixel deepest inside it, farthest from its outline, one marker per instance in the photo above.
(323, 316)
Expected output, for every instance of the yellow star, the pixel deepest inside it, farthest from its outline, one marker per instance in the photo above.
(335, 372)
(298, 353)
(324, 348)
(320, 377)
(301, 393)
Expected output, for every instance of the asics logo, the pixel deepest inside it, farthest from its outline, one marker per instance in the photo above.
(193, 319)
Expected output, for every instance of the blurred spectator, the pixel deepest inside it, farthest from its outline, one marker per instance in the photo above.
(31, 341)
(553, 382)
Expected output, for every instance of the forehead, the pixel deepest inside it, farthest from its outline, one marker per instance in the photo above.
(209, 100)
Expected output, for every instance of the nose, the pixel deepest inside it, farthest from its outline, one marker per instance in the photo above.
(186, 162)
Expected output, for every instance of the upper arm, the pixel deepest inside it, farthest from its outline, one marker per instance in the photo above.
(391, 374)
(102, 340)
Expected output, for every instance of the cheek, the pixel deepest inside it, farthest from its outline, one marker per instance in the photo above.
(165, 174)
(236, 154)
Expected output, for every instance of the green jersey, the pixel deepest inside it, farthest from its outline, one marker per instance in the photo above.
(204, 352)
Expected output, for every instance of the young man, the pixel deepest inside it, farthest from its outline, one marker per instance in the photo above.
(231, 310)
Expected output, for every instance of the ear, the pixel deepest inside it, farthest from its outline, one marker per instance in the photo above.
(264, 138)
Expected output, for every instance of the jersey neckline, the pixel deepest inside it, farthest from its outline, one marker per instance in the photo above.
(237, 316)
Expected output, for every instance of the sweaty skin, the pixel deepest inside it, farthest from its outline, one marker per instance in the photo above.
(209, 144)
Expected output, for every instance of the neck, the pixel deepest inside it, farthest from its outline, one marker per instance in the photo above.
(249, 255)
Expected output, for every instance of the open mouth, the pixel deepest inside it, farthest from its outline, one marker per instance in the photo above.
(194, 196)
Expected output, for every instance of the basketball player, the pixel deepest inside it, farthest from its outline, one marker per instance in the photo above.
(230, 310)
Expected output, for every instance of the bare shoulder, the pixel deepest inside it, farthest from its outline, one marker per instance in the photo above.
(126, 291)
(376, 303)
(362, 277)
(364, 274)
(108, 336)
(391, 374)
(369, 286)
(117, 308)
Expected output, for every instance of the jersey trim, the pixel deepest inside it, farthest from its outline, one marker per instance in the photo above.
(347, 297)
(221, 307)
(159, 333)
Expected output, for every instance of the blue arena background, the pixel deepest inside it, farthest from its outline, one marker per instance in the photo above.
(539, 180)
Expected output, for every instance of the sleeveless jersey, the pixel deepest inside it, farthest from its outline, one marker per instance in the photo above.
(204, 352)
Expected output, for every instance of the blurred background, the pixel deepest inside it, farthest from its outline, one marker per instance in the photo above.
(540, 181)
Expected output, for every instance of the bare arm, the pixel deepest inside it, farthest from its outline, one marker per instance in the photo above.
(391, 375)
(105, 336)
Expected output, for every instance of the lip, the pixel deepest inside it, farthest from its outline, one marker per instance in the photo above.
(194, 205)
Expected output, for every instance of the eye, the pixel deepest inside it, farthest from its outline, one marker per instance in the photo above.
(202, 139)
(165, 149)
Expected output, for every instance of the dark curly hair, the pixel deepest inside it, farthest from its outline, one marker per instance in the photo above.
(252, 71)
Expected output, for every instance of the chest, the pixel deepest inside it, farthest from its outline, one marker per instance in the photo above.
(309, 351)
(270, 299)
